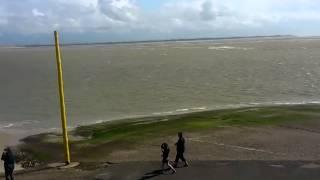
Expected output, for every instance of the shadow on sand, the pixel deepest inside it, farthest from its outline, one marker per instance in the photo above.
(158, 172)
(155, 173)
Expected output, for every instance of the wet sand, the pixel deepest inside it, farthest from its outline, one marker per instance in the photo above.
(270, 152)
(294, 140)
(204, 170)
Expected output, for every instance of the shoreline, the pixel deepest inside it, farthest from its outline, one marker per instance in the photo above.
(22, 133)
(263, 133)
(16, 135)
(127, 133)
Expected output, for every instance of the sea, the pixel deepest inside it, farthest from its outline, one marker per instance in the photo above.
(105, 82)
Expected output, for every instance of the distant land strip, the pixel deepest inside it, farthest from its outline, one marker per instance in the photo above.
(159, 41)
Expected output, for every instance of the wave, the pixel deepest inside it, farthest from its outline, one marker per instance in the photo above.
(182, 110)
(228, 48)
(233, 106)
(186, 47)
(286, 103)
(30, 123)
(163, 113)
(11, 47)
(205, 108)
(18, 125)
(6, 126)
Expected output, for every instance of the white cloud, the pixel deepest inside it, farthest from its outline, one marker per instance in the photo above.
(175, 17)
(37, 13)
(119, 10)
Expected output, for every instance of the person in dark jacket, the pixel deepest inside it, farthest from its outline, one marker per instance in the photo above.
(165, 154)
(180, 145)
(8, 158)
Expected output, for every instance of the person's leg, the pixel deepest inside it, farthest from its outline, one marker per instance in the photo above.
(6, 173)
(171, 167)
(7, 176)
(184, 160)
(162, 166)
(11, 173)
(164, 163)
(176, 160)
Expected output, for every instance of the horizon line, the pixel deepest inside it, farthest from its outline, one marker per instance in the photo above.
(160, 40)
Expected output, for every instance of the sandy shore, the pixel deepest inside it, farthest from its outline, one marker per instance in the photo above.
(280, 133)
(267, 152)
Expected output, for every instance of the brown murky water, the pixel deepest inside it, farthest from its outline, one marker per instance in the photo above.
(117, 81)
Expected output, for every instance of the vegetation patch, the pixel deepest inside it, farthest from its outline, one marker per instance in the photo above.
(111, 136)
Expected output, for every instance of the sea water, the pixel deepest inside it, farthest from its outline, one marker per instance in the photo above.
(107, 82)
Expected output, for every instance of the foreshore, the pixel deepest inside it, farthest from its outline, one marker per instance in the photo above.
(286, 132)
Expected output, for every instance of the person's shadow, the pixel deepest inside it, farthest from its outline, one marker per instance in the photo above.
(153, 174)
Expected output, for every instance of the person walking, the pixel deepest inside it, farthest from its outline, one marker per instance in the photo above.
(165, 154)
(8, 158)
(180, 145)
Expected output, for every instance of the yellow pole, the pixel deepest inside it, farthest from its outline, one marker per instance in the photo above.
(62, 104)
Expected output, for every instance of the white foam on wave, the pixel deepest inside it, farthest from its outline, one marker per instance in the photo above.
(186, 47)
(285, 103)
(182, 110)
(7, 126)
(143, 48)
(297, 103)
(199, 108)
(19, 124)
(99, 121)
(163, 113)
(262, 104)
(228, 48)
(163, 120)
(11, 47)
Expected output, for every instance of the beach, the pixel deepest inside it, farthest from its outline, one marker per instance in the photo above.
(279, 139)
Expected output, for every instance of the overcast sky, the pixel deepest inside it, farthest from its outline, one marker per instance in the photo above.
(33, 21)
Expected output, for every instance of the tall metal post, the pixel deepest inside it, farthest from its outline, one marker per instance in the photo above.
(62, 104)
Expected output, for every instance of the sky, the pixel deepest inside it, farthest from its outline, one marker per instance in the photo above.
(83, 21)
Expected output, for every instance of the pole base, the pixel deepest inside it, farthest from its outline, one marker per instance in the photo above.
(56, 165)
(63, 165)
(70, 165)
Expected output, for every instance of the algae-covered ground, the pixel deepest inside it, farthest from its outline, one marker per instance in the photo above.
(123, 139)
(138, 130)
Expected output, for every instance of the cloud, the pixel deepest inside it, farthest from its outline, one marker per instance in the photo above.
(207, 11)
(174, 18)
(119, 10)
(241, 14)
(36, 12)
(35, 16)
